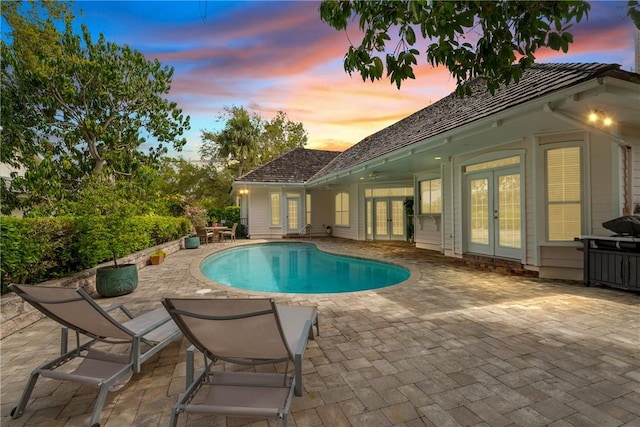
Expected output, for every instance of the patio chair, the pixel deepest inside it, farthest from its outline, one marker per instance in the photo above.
(230, 234)
(246, 332)
(74, 309)
(206, 236)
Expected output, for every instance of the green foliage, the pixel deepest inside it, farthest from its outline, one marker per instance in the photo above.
(159, 252)
(634, 12)
(183, 182)
(73, 106)
(231, 214)
(278, 136)
(48, 251)
(164, 229)
(248, 141)
(237, 142)
(38, 249)
(496, 41)
(104, 208)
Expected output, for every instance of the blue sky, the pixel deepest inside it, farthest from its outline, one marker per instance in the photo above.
(272, 55)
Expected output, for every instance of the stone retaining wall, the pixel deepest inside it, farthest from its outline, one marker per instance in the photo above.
(15, 314)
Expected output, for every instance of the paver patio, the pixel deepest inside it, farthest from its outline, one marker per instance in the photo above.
(452, 346)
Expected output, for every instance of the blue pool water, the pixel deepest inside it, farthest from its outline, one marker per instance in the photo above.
(299, 268)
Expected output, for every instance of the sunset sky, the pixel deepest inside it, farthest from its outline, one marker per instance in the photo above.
(269, 56)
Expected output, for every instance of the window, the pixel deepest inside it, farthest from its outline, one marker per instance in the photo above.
(342, 209)
(275, 209)
(564, 193)
(308, 208)
(493, 164)
(388, 192)
(431, 196)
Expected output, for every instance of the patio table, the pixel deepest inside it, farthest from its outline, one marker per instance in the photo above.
(216, 231)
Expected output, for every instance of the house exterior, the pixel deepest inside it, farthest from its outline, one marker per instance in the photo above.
(514, 176)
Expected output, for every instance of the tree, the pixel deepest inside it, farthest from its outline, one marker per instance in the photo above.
(237, 142)
(471, 38)
(248, 141)
(205, 183)
(279, 136)
(73, 107)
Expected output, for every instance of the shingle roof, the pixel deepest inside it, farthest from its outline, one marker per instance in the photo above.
(452, 111)
(295, 166)
(303, 165)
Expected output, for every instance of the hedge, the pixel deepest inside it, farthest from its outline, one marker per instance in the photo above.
(38, 249)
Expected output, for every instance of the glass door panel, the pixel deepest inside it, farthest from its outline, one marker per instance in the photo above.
(381, 220)
(509, 227)
(397, 219)
(369, 219)
(494, 213)
(293, 215)
(479, 214)
(388, 219)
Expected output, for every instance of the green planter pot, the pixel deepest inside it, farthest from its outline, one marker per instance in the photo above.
(113, 282)
(192, 242)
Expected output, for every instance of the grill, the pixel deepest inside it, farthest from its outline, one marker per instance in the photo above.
(614, 260)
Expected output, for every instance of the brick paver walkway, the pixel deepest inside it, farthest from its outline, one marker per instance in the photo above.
(450, 347)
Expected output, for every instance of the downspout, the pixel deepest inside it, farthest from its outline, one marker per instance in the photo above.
(624, 146)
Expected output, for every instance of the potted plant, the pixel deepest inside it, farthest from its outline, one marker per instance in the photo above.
(157, 257)
(408, 208)
(198, 217)
(106, 210)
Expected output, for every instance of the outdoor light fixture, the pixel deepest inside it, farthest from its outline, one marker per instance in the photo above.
(599, 116)
(243, 192)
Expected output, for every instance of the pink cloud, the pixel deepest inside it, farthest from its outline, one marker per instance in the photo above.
(286, 59)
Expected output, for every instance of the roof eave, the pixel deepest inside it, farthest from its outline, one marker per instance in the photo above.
(590, 87)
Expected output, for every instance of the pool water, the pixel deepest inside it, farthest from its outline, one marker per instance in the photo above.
(299, 268)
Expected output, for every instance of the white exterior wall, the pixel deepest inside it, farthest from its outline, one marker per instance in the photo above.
(350, 232)
(448, 208)
(259, 216)
(428, 228)
(558, 260)
(531, 223)
(635, 177)
(427, 232)
(322, 211)
(604, 183)
(632, 136)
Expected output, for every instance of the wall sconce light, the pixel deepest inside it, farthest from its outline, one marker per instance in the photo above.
(599, 116)
(243, 192)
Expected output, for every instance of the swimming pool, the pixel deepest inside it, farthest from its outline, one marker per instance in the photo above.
(301, 268)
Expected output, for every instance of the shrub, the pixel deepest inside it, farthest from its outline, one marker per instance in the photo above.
(38, 249)
(231, 214)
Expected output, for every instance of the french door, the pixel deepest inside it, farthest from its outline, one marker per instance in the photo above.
(385, 218)
(293, 214)
(494, 213)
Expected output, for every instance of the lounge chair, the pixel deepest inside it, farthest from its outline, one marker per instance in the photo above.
(244, 332)
(74, 309)
(229, 234)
